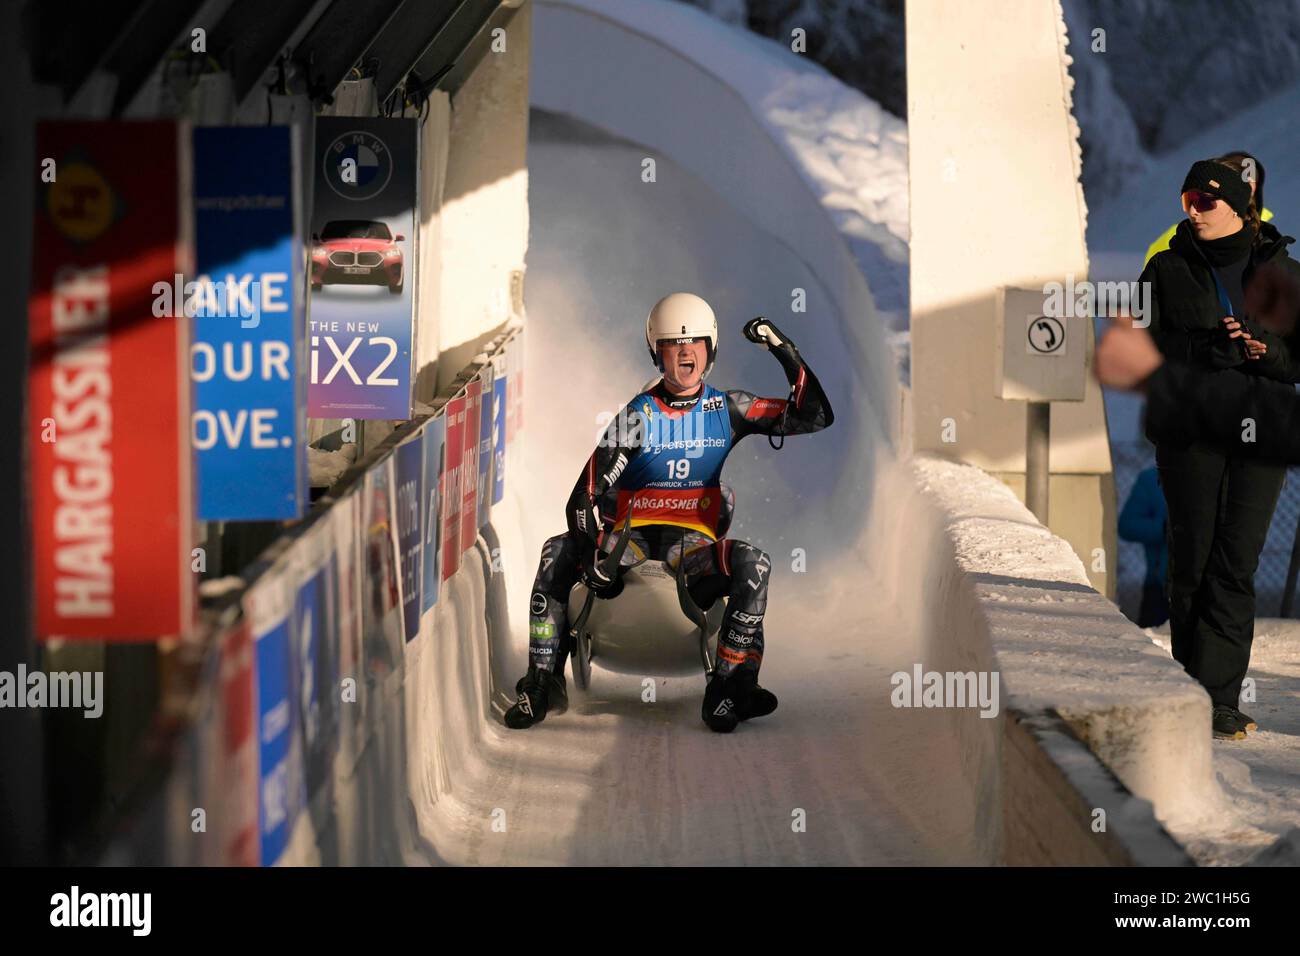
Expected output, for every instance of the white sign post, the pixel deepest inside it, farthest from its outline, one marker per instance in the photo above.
(1040, 360)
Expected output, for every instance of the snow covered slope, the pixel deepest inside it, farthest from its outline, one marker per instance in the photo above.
(1123, 223)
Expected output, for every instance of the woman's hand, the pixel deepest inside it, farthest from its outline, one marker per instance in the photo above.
(1255, 349)
(1126, 356)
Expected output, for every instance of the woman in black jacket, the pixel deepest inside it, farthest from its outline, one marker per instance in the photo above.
(1220, 501)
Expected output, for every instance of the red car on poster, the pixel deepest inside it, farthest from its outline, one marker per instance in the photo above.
(356, 251)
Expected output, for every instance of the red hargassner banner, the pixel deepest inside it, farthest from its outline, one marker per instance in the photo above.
(109, 393)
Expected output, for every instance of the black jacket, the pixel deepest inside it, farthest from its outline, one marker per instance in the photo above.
(1186, 317)
(1245, 415)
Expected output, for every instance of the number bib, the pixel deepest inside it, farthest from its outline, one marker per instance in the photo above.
(675, 479)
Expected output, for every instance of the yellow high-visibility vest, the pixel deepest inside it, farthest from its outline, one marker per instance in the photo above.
(1161, 244)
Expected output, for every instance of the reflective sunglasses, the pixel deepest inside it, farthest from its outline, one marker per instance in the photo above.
(1204, 202)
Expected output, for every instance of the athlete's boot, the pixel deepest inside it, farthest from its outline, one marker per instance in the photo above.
(719, 710)
(751, 700)
(540, 693)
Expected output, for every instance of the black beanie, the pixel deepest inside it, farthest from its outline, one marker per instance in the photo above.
(1219, 180)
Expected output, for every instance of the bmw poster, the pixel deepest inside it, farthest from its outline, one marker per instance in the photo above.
(362, 268)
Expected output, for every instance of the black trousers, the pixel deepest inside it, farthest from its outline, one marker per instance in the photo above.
(1154, 609)
(1219, 512)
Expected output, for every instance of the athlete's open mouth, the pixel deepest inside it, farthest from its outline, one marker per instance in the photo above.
(686, 366)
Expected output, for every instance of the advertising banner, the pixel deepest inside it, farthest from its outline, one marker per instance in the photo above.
(469, 465)
(409, 467)
(316, 651)
(109, 392)
(363, 268)
(451, 486)
(435, 457)
(268, 605)
(499, 426)
(487, 415)
(247, 299)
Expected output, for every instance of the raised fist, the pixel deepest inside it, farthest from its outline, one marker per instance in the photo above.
(762, 331)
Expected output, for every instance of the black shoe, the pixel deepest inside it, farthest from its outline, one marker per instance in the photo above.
(1247, 721)
(751, 700)
(759, 703)
(719, 710)
(1227, 723)
(540, 693)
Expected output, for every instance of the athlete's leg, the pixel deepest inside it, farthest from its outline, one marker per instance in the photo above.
(740, 571)
(548, 617)
(542, 689)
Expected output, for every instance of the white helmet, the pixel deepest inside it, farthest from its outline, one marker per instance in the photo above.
(681, 316)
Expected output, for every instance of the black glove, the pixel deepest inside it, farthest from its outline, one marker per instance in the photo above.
(599, 585)
(763, 331)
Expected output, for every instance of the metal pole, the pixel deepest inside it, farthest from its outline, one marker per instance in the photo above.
(1038, 431)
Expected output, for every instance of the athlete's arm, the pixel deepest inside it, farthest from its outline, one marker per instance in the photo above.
(807, 410)
(617, 447)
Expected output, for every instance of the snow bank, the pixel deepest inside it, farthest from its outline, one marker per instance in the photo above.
(1064, 650)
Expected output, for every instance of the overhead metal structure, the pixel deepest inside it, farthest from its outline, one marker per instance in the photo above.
(454, 51)
(144, 43)
(252, 34)
(439, 40)
(409, 35)
(340, 39)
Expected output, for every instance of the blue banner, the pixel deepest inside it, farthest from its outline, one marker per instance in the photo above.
(499, 431)
(280, 797)
(247, 301)
(435, 461)
(485, 447)
(409, 463)
(315, 631)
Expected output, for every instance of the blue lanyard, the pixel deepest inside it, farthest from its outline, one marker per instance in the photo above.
(1223, 293)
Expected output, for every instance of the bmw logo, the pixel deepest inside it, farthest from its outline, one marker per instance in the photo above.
(358, 165)
(538, 604)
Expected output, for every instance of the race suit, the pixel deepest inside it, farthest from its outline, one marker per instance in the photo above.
(662, 455)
